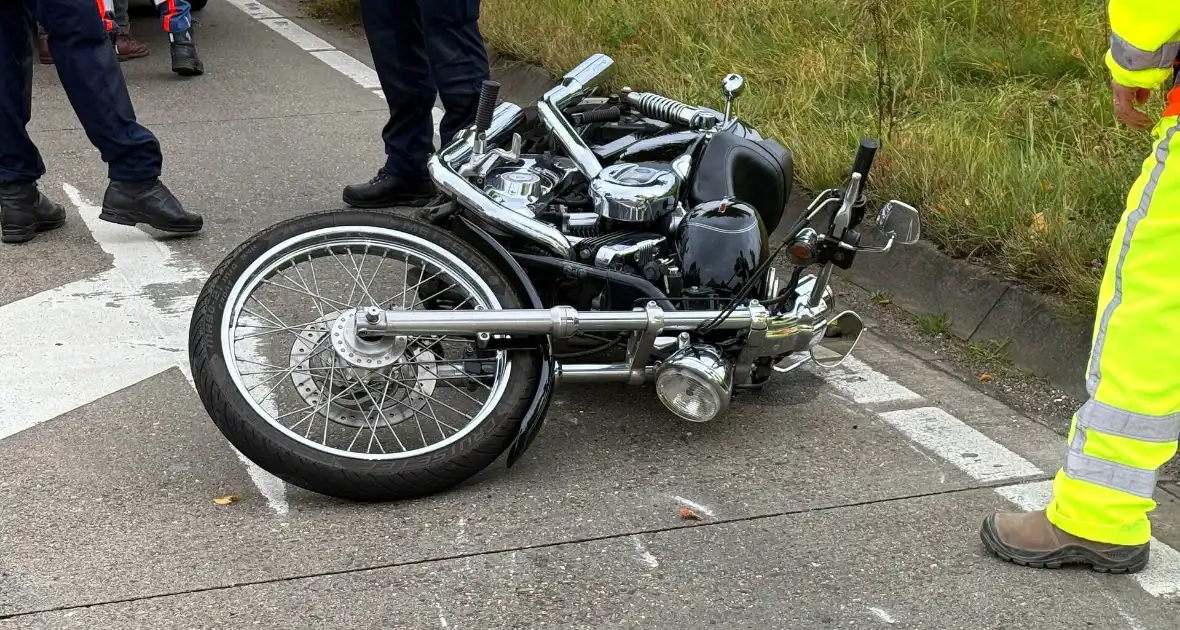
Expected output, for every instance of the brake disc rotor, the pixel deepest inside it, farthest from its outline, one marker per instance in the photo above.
(359, 397)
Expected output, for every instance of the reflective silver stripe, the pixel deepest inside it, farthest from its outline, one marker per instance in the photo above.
(1161, 157)
(1131, 58)
(1114, 421)
(1136, 481)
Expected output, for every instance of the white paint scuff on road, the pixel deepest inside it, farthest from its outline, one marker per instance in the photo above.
(1161, 576)
(966, 448)
(883, 615)
(694, 506)
(645, 556)
(109, 332)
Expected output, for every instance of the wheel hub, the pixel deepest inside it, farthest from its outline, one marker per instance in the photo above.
(369, 354)
(357, 382)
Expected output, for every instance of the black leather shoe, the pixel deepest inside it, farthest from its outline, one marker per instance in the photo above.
(150, 202)
(24, 212)
(387, 191)
(185, 61)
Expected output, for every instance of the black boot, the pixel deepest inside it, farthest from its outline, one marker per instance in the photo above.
(387, 191)
(150, 202)
(24, 212)
(185, 61)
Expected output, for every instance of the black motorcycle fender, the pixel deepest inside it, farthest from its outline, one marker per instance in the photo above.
(530, 425)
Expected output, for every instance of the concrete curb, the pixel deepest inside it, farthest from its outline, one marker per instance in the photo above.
(1040, 336)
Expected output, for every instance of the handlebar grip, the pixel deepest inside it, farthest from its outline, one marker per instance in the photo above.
(489, 91)
(864, 158)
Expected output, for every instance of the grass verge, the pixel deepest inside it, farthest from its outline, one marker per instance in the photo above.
(995, 116)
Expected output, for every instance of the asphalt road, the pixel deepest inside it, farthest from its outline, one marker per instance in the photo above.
(842, 499)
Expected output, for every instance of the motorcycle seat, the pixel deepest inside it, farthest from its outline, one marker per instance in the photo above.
(759, 172)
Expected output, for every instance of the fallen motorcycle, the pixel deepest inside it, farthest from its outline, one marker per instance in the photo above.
(612, 238)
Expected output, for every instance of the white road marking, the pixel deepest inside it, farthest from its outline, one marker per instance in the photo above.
(953, 440)
(338, 60)
(1161, 576)
(863, 385)
(297, 34)
(461, 538)
(694, 505)
(883, 615)
(88, 339)
(645, 556)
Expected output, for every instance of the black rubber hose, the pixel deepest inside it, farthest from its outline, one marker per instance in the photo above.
(488, 93)
(610, 114)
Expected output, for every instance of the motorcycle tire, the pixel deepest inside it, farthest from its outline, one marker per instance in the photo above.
(327, 473)
(197, 5)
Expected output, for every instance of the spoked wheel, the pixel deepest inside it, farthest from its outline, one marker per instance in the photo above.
(289, 382)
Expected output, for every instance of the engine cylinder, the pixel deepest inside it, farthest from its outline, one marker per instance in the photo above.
(721, 244)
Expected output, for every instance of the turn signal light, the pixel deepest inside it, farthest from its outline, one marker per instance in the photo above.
(802, 250)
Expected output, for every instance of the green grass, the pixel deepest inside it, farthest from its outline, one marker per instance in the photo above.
(934, 323)
(995, 116)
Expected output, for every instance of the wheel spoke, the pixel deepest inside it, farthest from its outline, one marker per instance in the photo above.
(305, 381)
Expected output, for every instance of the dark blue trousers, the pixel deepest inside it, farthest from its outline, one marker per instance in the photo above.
(423, 49)
(90, 75)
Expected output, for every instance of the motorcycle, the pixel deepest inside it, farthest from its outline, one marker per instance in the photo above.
(585, 239)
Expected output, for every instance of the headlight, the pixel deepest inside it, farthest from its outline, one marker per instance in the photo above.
(694, 383)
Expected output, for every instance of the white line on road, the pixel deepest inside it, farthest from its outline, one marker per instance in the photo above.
(91, 338)
(863, 385)
(967, 449)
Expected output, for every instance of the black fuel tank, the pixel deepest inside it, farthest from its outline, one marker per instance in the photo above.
(720, 244)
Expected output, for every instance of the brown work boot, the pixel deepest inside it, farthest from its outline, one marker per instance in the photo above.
(127, 47)
(1030, 540)
(43, 49)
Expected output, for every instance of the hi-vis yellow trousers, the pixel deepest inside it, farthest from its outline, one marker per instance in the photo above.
(1129, 426)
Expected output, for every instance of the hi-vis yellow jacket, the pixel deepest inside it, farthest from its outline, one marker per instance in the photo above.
(1144, 41)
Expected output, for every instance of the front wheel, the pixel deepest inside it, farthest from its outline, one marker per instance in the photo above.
(302, 395)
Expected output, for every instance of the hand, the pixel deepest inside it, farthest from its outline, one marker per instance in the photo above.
(1125, 99)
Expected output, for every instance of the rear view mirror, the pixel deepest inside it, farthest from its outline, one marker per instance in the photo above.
(900, 221)
(838, 340)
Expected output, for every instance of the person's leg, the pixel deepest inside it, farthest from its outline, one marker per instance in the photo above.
(176, 18)
(1129, 427)
(94, 85)
(458, 60)
(42, 43)
(394, 31)
(125, 45)
(23, 210)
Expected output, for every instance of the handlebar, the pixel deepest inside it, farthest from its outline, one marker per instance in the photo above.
(864, 159)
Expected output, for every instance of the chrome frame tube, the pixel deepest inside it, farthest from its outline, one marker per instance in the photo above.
(589, 74)
(442, 167)
(561, 322)
(600, 373)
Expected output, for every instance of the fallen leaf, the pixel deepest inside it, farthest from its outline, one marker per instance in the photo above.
(987, 378)
(883, 301)
(226, 500)
(1046, 186)
(688, 515)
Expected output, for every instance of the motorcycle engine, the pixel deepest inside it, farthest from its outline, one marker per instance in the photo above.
(529, 185)
(622, 220)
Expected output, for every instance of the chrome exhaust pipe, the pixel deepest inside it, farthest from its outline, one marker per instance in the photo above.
(443, 165)
(589, 74)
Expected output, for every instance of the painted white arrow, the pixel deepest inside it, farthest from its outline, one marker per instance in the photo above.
(75, 344)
